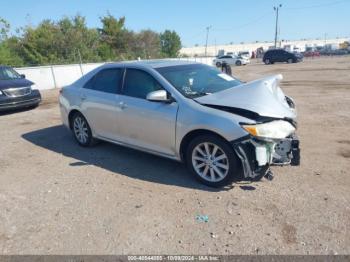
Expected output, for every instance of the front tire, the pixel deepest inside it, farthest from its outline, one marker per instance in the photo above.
(82, 131)
(213, 161)
(290, 61)
(218, 64)
(267, 61)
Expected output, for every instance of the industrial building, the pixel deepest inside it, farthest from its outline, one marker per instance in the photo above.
(299, 45)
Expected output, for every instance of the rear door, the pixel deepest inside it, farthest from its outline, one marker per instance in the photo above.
(278, 56)
(284, 56)
(143, 123)
(232, 60)
(99, 100)
(225, 59)
(272, 55)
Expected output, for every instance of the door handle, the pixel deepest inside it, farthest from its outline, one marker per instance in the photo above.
(122, 105)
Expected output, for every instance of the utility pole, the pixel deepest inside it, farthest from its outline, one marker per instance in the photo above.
(215, 48)
(206, 41)
(276, 8)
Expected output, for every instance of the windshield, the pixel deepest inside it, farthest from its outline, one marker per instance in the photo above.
(197, 79)
(7, 73)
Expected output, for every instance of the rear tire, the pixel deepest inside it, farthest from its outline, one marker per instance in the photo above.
(238, 63)
(82, 131)
(218, 64)
(213, 161)
(290, 61)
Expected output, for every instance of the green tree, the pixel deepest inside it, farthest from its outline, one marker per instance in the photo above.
(170, 43)
(59, 42)
(76, 38)
(4, 29)
(146, 45)
(114, 35)
(8, 55)
(66, 40)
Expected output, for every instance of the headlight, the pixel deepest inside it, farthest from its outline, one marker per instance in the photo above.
(276, 129)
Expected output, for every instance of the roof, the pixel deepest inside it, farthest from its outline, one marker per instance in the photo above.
(158, 63)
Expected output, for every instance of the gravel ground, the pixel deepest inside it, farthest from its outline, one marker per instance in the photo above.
(59, 198)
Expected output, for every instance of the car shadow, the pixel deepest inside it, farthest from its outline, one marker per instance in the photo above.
(117, 159)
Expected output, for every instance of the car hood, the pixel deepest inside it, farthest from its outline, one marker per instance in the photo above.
(22, 82)
(263, 97)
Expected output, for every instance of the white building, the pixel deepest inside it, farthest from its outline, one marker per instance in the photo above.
(235, 48)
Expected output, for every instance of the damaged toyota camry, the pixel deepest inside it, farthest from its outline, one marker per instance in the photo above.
(221, 127)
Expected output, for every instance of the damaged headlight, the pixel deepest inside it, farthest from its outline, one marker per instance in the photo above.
(278, 129)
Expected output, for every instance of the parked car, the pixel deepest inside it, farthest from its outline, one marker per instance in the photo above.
(190, 112)
(280, 55)
(331, 52)
(231, 60)
(244, 54)
(16, 91)
(311, 54)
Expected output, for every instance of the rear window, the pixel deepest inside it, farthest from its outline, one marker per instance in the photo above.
(107, 80)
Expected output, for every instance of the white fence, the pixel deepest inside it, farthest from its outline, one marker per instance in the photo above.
(57, 76)
(48, 77)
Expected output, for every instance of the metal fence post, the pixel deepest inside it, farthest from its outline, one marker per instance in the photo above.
(53, 76)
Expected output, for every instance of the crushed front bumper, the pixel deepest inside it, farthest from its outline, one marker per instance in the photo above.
(257, 155)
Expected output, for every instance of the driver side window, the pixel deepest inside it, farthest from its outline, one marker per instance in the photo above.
(139, 83)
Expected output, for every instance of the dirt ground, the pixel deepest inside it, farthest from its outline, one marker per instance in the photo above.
(59, 198)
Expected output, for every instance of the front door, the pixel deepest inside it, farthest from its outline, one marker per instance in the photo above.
(143, 123)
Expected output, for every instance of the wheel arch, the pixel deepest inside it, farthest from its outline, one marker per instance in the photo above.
(71, 114)
(192, 134)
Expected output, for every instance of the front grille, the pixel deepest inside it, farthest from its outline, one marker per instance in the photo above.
(17, 92)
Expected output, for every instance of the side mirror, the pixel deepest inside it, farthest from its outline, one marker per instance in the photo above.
(159, 96)
(23, 76)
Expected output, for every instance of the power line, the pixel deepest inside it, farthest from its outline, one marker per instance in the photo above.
(196, 36)
(316, 6)
(246, 24)
(254, 21)
(231, 28)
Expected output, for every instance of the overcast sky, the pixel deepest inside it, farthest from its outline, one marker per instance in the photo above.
(230, 20)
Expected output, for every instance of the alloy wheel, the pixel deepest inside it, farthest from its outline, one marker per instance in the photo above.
(210, 162)
(80, 129)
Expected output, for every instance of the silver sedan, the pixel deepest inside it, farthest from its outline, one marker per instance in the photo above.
(222, 128)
